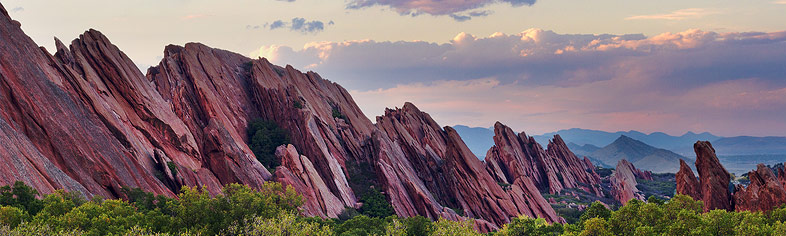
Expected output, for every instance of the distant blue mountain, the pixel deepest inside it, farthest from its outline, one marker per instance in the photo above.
(478, 139)
(601, 138)
(583, 142)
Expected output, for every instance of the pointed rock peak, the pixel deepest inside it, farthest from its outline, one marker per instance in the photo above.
(3, 11)
(558, 140)
(409, 107)
(705, 147)
(63, 52)
(625, 138)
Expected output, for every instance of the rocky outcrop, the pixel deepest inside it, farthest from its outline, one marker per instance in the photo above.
(764, 192)
(623, 182)
(86, 119)
(448, 174)
(713, 186)
(713, 178)
(298, 171)
(43, 110)
(554, 169)
(687, 184)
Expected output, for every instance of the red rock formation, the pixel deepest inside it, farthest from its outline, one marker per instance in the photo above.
(763, 193)
(87, 120)
(448, 174)
(513, 157)
(713, 178)
(623, 182)
(38, 101)
(298, 171)
(687, 184)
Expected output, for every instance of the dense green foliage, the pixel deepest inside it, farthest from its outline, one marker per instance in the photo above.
(274, 210)
(375, 205)
(263, 139)
(337, 114)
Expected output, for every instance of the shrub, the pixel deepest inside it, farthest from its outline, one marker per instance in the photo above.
(338, 114)
(298, 104)
(12, 216)
(20, 196)
(449, 227)
(264, 137)
(285, 224)
(172, 167)
(375, 205)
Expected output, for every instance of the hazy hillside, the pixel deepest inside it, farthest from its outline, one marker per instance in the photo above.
(643, 156)
(582, 150)
(602, 138)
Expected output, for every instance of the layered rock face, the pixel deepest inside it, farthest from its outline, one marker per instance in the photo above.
(623, 182)
(764, 192)
(57, 132)
(713, 178)
(86, 119)
(515, 157)
(687, 183)
(450, 175)
(713, 184)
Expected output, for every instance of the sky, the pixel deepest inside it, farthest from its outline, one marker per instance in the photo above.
(538, 66)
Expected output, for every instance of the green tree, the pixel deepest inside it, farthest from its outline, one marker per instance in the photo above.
(445, 227)
(596, 227)
(361, 225)
(264, 137)
(418, 225)
(21, 196)
(596, 210)
(12, 216)
(719, 222)
(285, 224)
(375, 205)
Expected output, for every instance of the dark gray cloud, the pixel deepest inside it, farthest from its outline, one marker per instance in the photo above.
(434, 7)
(540, 81)
(469, 15)
(297, 24)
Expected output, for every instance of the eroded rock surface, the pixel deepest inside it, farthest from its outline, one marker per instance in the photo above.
(86, 119)
(554, 169)
(687, 183)
(623, 182)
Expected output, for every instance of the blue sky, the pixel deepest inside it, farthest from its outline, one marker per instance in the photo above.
(539, 66)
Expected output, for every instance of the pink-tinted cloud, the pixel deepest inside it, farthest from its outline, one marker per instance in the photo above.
(541, 81)
(433, 7)
(682, 14)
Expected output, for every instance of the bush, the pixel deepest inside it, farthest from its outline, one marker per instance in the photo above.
(375, 205)
(20, 196)
(338, 114)
(264, 137)
(445, 227)
(285, 224)
(298, 104)
(12, 216)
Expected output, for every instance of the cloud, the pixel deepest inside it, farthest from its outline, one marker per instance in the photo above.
(18, 9)
(297, 24)
(433, 7)
(781, 2)
(689, 13)
(469, 15)
(540, 81)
